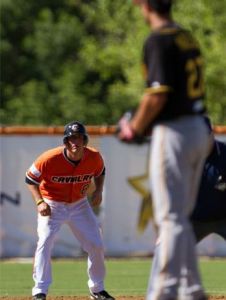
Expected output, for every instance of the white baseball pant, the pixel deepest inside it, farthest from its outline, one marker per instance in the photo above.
(83, 223)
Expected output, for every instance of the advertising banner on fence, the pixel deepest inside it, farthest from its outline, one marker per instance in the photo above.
(125, 214)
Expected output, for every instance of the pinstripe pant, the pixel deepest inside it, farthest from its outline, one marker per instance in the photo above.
(178, 152)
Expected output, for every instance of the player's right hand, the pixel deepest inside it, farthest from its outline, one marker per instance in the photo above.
(125, 132)
(44, 209)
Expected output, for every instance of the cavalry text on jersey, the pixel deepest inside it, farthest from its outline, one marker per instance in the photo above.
(72, 179)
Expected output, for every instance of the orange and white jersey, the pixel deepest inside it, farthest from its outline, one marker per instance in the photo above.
(60, 179)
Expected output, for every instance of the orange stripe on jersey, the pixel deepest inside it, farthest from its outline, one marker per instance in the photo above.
(61, 180)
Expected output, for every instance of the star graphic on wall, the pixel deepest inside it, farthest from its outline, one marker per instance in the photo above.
(140, 184)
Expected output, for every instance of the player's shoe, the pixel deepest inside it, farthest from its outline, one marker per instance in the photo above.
(40, 296)
(103, 295)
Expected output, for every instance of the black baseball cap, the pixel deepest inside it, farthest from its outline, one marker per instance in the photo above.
(74, 128)
(160, 6)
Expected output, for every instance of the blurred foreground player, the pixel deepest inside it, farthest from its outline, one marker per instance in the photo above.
(172, 105)
(58, 181)
(209, 214)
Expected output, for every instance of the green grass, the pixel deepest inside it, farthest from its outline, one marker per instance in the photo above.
(124, 277)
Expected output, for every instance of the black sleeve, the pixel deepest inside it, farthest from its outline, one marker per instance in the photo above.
(28, 181)
(158, 59)
(103, 172)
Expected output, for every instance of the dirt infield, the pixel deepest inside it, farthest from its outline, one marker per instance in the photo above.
(223, 297)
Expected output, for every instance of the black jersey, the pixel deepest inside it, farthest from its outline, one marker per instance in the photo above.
(173, 64)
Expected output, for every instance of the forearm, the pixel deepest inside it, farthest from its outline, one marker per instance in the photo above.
(99, 183)
(150, 106)
(42, 207)
(35, 192)
(96, 197)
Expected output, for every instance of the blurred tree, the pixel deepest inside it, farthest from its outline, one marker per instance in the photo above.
(74, 59)
(206, 19)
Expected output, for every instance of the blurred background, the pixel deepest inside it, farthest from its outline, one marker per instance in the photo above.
(66, 59)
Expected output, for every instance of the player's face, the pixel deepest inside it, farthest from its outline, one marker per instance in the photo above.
(75, 143)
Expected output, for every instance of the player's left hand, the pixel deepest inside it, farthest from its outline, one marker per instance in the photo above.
(96, 198)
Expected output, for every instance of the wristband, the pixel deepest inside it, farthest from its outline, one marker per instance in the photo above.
(39, 201)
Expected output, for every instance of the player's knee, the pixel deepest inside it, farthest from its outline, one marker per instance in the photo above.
(46, 241)
(94, 247)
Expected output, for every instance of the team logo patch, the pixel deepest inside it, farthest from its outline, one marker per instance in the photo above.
(74, 127)
(155, 84)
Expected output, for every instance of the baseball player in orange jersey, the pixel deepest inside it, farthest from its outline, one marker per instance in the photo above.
(58, 181)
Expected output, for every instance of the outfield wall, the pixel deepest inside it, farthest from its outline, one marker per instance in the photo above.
(123, 215)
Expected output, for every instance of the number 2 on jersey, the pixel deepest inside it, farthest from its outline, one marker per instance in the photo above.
(195, 83)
